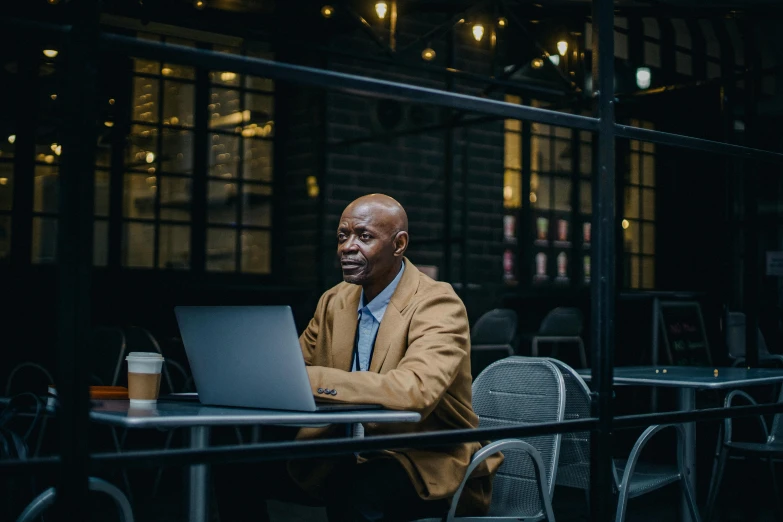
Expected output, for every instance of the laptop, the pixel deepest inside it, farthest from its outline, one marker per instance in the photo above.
(249, 356)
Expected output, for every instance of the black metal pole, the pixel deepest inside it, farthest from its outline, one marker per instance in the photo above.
(603, 284)
(448, 170)
(74, 251)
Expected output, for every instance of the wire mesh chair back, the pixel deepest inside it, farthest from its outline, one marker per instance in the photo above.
(574, 466)
(521, 390)
(498, 326)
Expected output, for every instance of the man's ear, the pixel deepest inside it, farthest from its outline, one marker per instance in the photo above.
(400, 243)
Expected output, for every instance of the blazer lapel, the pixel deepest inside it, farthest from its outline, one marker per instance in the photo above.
(392, 324)
(344, 333)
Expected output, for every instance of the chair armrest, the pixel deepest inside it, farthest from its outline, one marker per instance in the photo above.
(496, 447)
(728, 422)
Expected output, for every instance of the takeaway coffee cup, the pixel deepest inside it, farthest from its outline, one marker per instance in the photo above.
(144, 378)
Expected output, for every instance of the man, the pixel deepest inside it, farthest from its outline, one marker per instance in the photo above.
(392, 336)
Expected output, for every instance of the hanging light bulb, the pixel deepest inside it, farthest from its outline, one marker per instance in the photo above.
(327, 11)
(537, 63)
(643, 77)
(428, 54)
(199, 4)
(562, 47)
(381, 8)
(502, 22)
(478, 32)
(51, 53)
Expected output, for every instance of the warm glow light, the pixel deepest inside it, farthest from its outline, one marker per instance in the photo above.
(3, 181)
(533, 197)
(200, 4)
(562, 47)
(53, 96)
(555, 59)
(312, 187)
(502, 22)
(380, 9)
(327, 11)
(626, 224)
(478, 32)
(12, 138)
(537, 63)
(174, 120)
(428, 54)
(508, 192)
(58, 150)
(53, 2)
(461, 21)
(51, 53)
(49, 158)
(166, 71)
(109, 123)
(228, 76)
(150, 157)
(643, 77)
(111, 101)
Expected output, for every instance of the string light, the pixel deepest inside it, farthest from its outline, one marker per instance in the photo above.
(51, 53)
(381, 8)
(478, 32)
(562, 47)
(625, 224)
(200, 4)
(537, 63)
(327, 11)
(502, 22)
(428, 54)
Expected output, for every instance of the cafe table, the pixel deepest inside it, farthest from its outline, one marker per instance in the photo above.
(199, 419)
(688, 379)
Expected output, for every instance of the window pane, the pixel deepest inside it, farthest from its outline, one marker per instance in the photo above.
(256, 252)
(648, 146)
(143, 150)
(512, 189)
(138, 245)
(648, 169)
(147, 66)
(586, 158)
(5, 238)
(178, 106)
(223, 155)
(221, 250)
(256, 82)
(631, 202)
(46, 189)
(100, 243)
(633, 159)
(513, 151)
(222, 202)
(174, 198)
(224, 112)
(261, 109)
(634, 143)
(258, 163)
(540, 129)
(257, 206)
(540, 154)
(634, 272)
(101, 193)
(631, 237)
(138, 196)
(177, 153)
(562, 156)
(174, 247)
(540, 191)
(175, 70)
(648, 202)
(648, 238)
(562, 132)
(145, 100)
(648, 272)
(6, 186)
(562, 194)
(586, 197)
(44, 240)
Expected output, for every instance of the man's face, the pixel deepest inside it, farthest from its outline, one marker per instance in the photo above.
(365, 245)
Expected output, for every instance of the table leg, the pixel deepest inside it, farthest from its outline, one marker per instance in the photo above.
(687, 402)
(198, 490)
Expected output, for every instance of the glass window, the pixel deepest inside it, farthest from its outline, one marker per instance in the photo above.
(512, 189)
(44, 249)
(256, 252)
(174, 247)
(221, 250)
(6, 185)
(139, 245)
(100, 243)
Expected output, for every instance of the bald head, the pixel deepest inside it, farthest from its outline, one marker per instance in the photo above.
(371, 240)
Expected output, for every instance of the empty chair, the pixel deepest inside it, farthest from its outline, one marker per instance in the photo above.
(561, 326)
(513, 391)
(493, 337)
(735, 342)
(770, 447)
(631, 477)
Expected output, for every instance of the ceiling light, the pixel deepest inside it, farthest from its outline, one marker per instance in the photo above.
(562, 47)
(502, 22)
(150, 157)
(3, 181)
(53, 96)
(51, 53)
(555, 59)
(380, 9)
(327, 11)
(478, 32)
(537, 63)
(200, 4)
(166, 71)
(428, 54)
(643, 77)
(228, 76)
(12, 138)
(625, 224)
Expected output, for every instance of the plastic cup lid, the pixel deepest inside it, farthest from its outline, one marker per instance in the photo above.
(144, 355)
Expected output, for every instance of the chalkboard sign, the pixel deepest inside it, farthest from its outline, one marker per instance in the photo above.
(684, 333)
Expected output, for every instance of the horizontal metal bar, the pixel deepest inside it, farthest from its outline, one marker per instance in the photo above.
(342, 82)
(688, 142)
(332, 447)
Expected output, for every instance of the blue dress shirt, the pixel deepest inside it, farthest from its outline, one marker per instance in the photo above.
(370, 317)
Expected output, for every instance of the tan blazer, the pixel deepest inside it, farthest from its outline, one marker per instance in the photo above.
(421, 362)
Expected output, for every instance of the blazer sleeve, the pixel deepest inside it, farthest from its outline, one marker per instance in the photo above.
(309, 337)
(438, 341)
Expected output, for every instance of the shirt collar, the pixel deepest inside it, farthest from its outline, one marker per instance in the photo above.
(377, 307)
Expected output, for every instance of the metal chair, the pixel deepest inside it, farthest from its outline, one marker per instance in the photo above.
(33, 378)
(638, 478)
(560, 326)
(492, 337)
(770, 447)
(735, 342)
(43, 501)
(518, 390)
